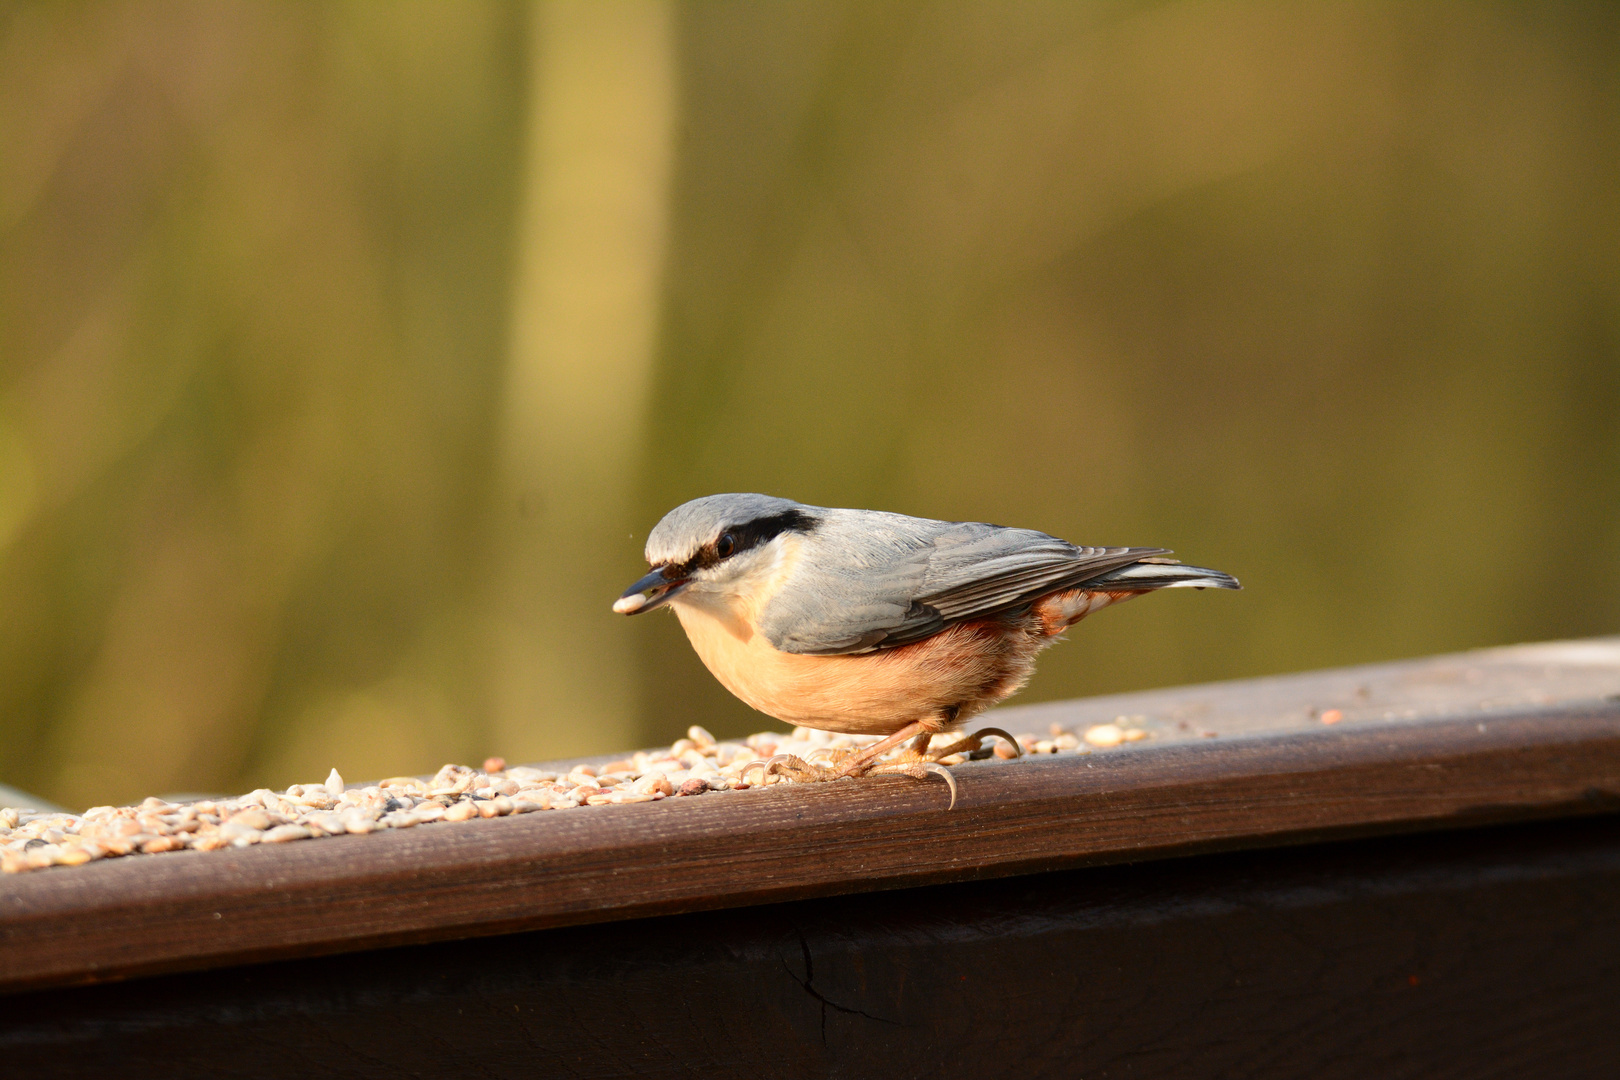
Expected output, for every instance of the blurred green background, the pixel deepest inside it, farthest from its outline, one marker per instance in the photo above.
(349, 350)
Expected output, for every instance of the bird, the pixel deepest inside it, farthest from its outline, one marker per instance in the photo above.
(873, 623)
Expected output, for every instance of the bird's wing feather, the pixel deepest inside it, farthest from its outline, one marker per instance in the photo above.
(877, 589)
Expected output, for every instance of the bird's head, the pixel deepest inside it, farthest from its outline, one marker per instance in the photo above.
(714, 544)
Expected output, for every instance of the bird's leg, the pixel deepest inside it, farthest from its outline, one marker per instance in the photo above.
(972, 742)
(918, 751)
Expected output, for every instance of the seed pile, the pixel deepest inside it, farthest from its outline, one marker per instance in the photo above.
(695, 765)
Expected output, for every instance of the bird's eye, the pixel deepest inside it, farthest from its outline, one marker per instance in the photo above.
(725, 545)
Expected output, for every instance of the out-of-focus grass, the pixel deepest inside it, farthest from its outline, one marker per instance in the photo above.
(327, 408)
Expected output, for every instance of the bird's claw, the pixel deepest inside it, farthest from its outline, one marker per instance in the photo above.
(978, 736)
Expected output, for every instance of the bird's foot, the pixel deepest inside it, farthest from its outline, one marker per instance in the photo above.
(918, 765)
(795, 768)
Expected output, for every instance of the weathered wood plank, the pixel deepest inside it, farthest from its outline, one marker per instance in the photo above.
(1483, 737)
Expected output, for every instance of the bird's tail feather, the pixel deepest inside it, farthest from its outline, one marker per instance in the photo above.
(1162, 574)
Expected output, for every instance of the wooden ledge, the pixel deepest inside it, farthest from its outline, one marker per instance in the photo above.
(1498, 735)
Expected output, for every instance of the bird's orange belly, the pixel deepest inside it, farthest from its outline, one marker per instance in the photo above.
(965, 668)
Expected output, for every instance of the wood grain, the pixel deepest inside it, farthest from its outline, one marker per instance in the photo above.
(1533, 734)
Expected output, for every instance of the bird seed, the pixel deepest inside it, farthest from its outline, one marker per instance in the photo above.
(695, 765)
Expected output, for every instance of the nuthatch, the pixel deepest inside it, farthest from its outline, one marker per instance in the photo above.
(878, 624)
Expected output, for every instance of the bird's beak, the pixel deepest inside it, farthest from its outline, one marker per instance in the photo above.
(654, 590)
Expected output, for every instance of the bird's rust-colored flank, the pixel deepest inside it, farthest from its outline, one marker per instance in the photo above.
(1061, 610)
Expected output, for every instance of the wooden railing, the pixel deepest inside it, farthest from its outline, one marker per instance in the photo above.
(1521, 734)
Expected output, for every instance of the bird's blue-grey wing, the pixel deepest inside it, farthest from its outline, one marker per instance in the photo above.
(862, 593)
(854, 585)
(978, 570)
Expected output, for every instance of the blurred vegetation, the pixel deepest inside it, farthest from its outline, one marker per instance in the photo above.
(348, 350)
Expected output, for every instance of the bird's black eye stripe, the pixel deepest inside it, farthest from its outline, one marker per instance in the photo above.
(740, 538)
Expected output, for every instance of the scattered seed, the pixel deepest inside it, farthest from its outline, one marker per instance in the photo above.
(257, 820)
(652, 783)
(42, 856)
(240, 835)
(692, 766)
(1104, 735)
